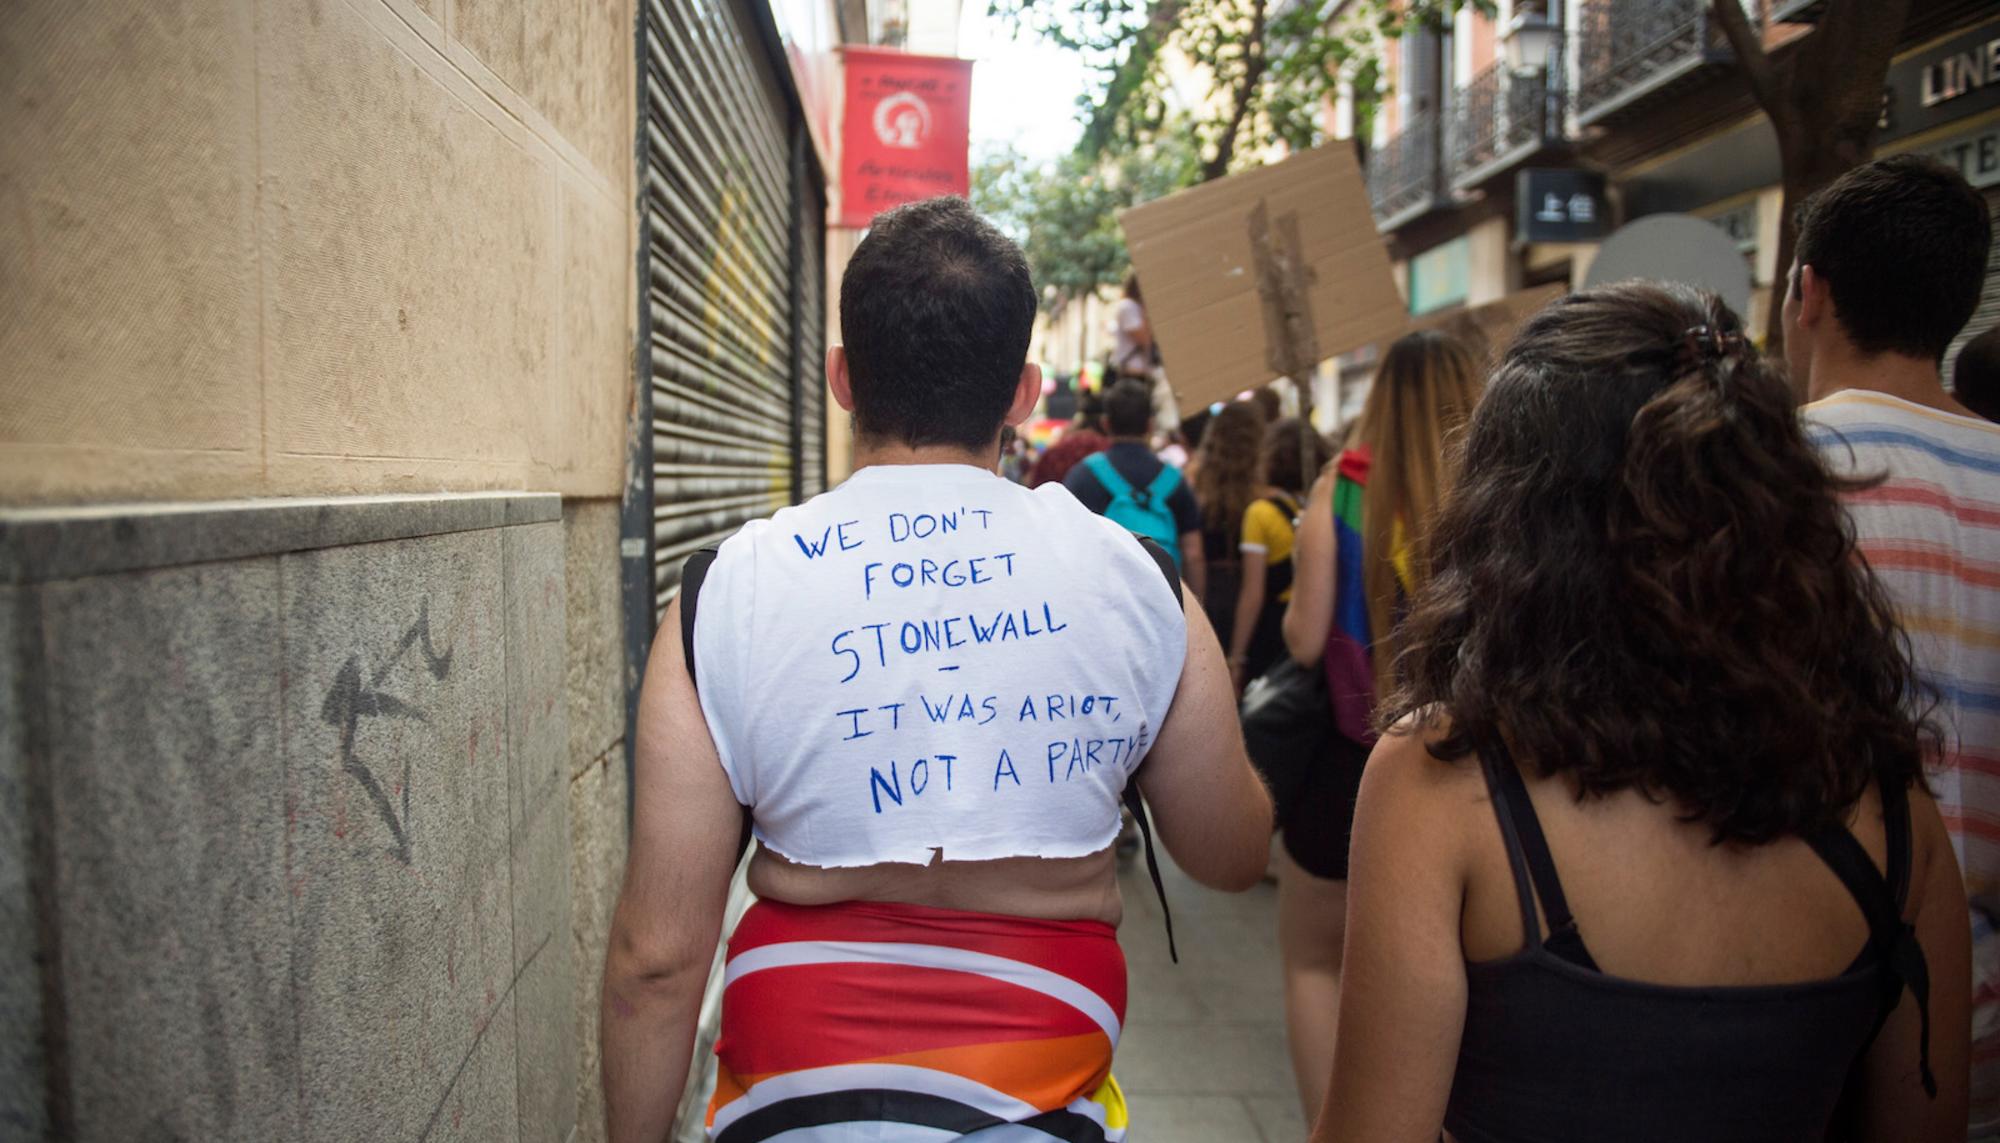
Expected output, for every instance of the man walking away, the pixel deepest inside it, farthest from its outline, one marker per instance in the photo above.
(1889, 267)
(1134, 487)
(925, 692)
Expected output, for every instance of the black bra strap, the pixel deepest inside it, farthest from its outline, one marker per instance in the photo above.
(1524, 890)
(1564, 940)
(1896, 827)
(1881, 899)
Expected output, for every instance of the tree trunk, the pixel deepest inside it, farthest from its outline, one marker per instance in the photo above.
(1824, 101)
(1082, 339)
(1245, 94)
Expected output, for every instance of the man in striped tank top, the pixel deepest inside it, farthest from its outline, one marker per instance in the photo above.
(1889, 267)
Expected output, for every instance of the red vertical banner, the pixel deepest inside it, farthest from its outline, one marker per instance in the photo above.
(905, 133)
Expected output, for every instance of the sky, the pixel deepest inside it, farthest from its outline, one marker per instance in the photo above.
(1023, 91)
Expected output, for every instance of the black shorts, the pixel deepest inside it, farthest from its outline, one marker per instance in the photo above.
(1318, 819)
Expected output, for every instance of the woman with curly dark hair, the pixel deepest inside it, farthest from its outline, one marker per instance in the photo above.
(1646, 852)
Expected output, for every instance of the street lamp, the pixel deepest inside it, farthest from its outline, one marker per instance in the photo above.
(1530, 41)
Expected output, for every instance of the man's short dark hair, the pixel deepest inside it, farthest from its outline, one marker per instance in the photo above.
(1975, 377)
(936, 309)
(1128, 409)
(1902, 244)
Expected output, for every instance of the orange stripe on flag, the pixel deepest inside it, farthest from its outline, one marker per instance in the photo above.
(728, 1089)
(1046, 1073)
(1049, 1073)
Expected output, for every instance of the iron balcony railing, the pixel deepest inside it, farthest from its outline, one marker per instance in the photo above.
(1627, 48)
(1403, 172)
(1503, 116)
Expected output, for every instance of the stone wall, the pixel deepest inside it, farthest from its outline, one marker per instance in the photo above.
(314, 247)
(596, 775)
(311, 810)
(308, 816)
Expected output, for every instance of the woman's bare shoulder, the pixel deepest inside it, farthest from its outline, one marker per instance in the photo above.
(1405, 764)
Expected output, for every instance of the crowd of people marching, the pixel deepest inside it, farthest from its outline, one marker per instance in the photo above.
(1628, 706)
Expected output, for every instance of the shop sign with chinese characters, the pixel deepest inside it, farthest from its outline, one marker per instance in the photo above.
(1559, 206)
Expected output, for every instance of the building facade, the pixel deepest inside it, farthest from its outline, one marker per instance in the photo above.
(1512, 146)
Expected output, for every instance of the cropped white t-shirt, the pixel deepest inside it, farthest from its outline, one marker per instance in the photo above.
(932, 660)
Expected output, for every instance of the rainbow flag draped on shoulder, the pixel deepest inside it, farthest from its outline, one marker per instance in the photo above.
(1350, 670)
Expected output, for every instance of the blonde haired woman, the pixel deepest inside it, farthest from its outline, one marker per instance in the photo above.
(1355, 564)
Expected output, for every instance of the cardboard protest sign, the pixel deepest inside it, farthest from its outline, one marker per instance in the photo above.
(1263, 274)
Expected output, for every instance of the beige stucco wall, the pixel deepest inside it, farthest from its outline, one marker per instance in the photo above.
(1490, 270)
(271, 247)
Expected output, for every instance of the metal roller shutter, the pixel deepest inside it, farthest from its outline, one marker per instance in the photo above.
(812, 348)
(729, 209)
(1988, 314)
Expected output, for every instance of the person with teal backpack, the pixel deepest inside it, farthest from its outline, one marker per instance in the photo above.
(1127, 484)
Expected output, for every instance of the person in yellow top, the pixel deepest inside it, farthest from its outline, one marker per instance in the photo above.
(1293, 455)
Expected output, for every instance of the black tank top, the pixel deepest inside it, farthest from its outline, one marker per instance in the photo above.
(1555, 1051)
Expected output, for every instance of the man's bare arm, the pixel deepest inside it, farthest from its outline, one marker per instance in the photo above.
(685, 827)
(1213, 813)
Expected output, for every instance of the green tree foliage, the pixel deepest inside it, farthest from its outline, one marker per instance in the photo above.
(1268, 67)
(1065, 214)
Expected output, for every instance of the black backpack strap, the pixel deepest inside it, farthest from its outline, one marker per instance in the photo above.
(1133, 801)
(693, 571)
(1165, 560)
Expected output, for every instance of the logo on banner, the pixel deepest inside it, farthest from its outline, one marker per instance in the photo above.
(905, 131)
(903, 120)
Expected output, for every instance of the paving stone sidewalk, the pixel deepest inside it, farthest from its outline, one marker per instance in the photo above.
(1202, 1058)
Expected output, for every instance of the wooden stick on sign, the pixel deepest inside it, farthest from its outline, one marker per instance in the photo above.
(1284, 285)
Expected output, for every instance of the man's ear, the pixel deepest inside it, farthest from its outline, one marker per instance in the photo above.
(1027, 394)
(1815, 297)
(837, 379)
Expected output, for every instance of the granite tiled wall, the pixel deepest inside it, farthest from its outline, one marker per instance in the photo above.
(289, 830)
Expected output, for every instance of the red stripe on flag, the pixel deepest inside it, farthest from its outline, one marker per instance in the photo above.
(1084, 951)
(809, 1016)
